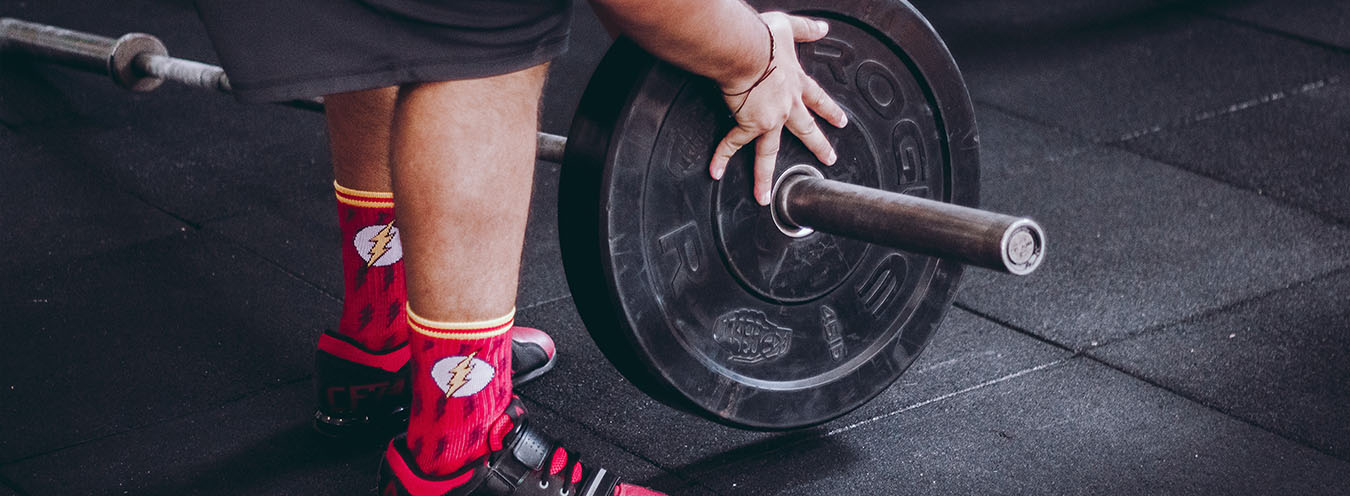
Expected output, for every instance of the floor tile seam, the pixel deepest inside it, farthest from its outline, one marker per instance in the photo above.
(114, 185)
(1270, 196)
(1059, 362)
(1119, 146)
(102, 180)
(43, 266)
(548, 301)
(1201, 315)
(1087, 142)
(622, 447)
(1210, 13)
(1214, 408)
(274, 263)
(1015, 328)
(235, 399)
(815, 437)
(1231, 109)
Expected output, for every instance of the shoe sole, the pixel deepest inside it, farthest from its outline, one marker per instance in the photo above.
(520, 381)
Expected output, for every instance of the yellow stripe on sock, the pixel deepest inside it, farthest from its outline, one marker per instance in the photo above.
(370, 195)
(363, 203)
(460, 330)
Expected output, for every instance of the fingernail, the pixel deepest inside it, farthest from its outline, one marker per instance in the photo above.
(822, 25)
(763, 199)
(717, 174)
(833, 158)
(843, 120)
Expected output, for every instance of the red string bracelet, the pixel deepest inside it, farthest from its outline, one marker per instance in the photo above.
(768, 69)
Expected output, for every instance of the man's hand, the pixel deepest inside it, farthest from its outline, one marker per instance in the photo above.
(786, 97)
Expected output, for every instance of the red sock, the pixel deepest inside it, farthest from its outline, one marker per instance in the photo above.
(372, 270)
(461, 383)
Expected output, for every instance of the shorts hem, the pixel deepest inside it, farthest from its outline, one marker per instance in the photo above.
(440, 69)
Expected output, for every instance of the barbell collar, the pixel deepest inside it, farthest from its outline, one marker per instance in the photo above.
(995, 241)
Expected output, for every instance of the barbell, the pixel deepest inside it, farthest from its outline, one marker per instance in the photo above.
(761, 318)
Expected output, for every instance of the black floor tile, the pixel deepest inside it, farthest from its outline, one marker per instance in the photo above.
(149, 332)
(1115, 76)
(261, 444)
(971, 24)
(298, 233)
(1281, 361)
(1132, 243)
(1080, 428)
(7, 487)
(541, 275)
(27, 98)
(967, 352)
(1295, 149)
(55, 211)
(215, 161)
(1327, 21)
(194, 153)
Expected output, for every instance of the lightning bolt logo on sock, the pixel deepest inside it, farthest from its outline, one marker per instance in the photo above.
(461, 376)
(379, 245)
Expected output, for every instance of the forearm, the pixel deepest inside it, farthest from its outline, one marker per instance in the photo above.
(721, 39)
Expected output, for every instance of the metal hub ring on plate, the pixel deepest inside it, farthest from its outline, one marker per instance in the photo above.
(695, 293)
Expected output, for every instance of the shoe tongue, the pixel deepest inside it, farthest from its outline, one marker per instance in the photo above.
(505, 424)
(515, 409)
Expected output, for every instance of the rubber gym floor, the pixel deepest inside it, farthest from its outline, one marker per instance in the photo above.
(169, 259)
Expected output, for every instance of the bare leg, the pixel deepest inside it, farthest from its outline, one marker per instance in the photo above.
(464, 154)
(358, 135)
(373, 299)
(361, 127)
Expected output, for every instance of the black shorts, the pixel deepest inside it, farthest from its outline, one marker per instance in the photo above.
(276, 50)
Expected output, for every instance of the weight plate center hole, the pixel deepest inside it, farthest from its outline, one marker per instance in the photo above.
(778, 201)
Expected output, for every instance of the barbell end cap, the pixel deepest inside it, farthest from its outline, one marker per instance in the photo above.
(124, 69)
(1023, 247)
(550, 147)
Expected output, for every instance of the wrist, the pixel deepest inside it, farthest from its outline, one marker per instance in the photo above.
(741, 78)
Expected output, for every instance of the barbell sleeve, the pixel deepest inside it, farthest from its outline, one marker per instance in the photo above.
(1004, 243)
(188, 72)
(115, 58)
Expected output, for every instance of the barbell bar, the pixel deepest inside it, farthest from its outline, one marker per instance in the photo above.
(803, 201)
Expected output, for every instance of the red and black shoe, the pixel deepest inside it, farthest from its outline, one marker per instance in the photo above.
(362, 392)
(522, 462)
(532, 354)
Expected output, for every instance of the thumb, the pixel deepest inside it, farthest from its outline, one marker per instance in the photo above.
(805, 29)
